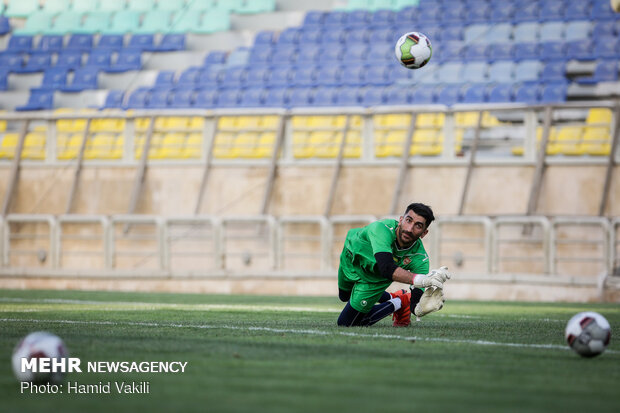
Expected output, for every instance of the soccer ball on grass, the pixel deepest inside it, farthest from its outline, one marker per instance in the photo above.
(588, 333)
(413, 50)
(39, 344)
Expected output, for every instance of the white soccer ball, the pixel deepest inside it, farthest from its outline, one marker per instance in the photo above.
(39, 344)
(413, 50)
(588, 333)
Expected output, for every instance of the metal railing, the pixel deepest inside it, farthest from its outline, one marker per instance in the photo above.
(584, 247)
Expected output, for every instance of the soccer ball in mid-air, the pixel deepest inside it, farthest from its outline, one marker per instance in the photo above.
(588, 333)
(39, 344)
(413, 50)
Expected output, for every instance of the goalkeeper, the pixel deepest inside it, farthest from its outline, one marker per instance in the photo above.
(378, 254)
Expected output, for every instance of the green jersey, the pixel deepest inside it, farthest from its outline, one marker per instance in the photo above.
(380, 236)
(358, 271)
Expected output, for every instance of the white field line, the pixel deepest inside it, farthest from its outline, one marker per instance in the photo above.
(293, 331)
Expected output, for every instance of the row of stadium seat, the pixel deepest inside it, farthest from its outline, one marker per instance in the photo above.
(87, 42)
(24, 8)
(462, 12)
(313, 136)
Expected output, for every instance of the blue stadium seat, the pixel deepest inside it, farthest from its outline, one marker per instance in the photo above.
(83, 78)
(380, 35)
(451, 51)
(11, 61)
(606, 70)
(314, 18)
(80, 42)
(582, 50)
(605, 47)
(578, 10)
(500, 93)
(164, 80)
(554, 71)
(308, 54)
(373, 96)
(453, 13)
(501, 11)
(552, 31)
(397, 95)
(348, 96)
(328, 75)
(215, 57)
(357, 19)
(210, 78)
(474, 93)
(114, 99)
(324, 96)
(141, 42)
(99, 58)
(552, 51)
(475, 72)
(354, 75)
(380, 19)
(378, 74)
(300, 97)
(38, 100)
(604, 28)
(501, 71)
(5, 25)
(401, 75)
(138, 99)
(304, 76)
(475, 33)
(552, 10)
(206, 99)
(159, 98)
(527, 93)
(189, 77)
(265, 38)
(432, 12)
(125, 61)
(290, 35)
(356, 36)
(279, 76)
(37, 62)
(111, 42)
(171, 42)
(528, 70)
(331, 53)
(311, 35)
(51, 43)
(253, 97)
(601, 10)
(554, 92)
(234, 77)
(525, 50)
(424, 94)
(333, 35)
(499, 33)
(478, 13)
(449, 94)
(261, 54)
(576, 31)
(335, 18)
(452, 33)
(476, 51)
(526, 12)
(450, 72)
(69, 60)
(276, 97)
(20, 44)
(380, 53)
(426, 77)
(238, 57)
(4, 74)
(526, 32)
(53, 78)
(284, 56)
(182, 98)
(257, 76)
(500, 51)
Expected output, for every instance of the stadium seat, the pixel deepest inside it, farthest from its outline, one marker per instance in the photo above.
(80, 42)
(125, 61)
(36, 23)
(551, 31)
(527, 93)
(53, 78)
(159, 98)
(377, 75)
(69, 60)
(328, 75)
(96, 22)
(21, 8)
(4, 74)
(84, 5)
(11, 62)
(83, 78)
(582, 50)
(554, 71)
(475, 33)
(155, 21)
(525, 51)
(526, 32)
(5, 25)
(596, 141)
(211, 77)
(578, 11)
(206, 99)
(114, 99)
(252, 97)
(171, 42)
(304, 76)
(500, 51)
(606, 47)
(576, 31)
(37, 62)
(124, 21)
(604, 28)
(501, 93)
(299, 97)
(452, 33)
(423, 94)
(141, 42)
(67, 23)
(19, 44)
(554, 92)
(113, 42)
(449, 94)
(138, 99)
(100, 59)
(549, 51)
(499, 33)
(526, 12)
(182, 98)
(324, 96)
(373, 96)
(451, 51)
(501, 12)
(502, 71)
(234, 77)
(50, 43)
(527, 70)
(141, 5)
(475, 72)
(113, 5)
(38, 100)
(450, 72)
(605, 71)
(257, 76)
(474, 93)
(276, 97)
(601, 10)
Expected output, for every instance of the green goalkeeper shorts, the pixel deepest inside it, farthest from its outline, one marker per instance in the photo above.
(365, 289)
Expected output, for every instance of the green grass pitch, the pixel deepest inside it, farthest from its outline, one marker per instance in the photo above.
(285, 354)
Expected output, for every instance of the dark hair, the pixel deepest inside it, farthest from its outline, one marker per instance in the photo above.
(422, 210)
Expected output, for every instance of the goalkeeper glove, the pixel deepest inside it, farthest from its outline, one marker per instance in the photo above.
(435, 278)
(432, 300)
